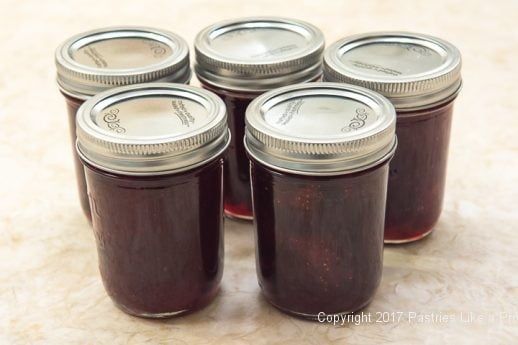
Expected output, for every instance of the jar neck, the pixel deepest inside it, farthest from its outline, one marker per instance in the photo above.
(425, 112)
(281, 172)
(384, 159)
(230, 93)
(213, 162)
(250, 93)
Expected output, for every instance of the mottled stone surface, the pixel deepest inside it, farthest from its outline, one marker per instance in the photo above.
(50, 289)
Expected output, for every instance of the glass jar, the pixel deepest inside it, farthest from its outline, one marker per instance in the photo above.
(94, 61)
(420, 74)
(242, 58)
(319, 157)
(152, 156)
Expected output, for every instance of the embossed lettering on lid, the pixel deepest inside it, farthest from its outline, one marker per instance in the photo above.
(412, 70)
(151, 128)
(97, 60)
(120, 52)
(320, 128)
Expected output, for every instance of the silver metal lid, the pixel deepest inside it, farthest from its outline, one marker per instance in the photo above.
(151, 129)
(320, 129)
(97, 60)
(412, 70)
(258, 54)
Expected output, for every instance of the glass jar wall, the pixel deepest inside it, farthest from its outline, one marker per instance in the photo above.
(320, 239)
(242, 58)
(152, 156)
(97, 60)
(420, 74)
(416, 186)
(319, 166)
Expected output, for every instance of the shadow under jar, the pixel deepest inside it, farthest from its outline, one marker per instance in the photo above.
(98, 60)
(154, 171)
(319, 158)
(420, 75)
(240, 59)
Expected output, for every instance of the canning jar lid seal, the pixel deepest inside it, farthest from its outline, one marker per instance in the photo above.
(151, 129)
(320, 129)
(97, 60)
(259, 53)
(413, 70)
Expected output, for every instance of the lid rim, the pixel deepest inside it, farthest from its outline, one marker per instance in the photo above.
(312, 73)
(342, 151)
(317, 170)
(85, 79)
(147, 153)
(84, 93)
(440, 81)
(218, 68)
(157, 172)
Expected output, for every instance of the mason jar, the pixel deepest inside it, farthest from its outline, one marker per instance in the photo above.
(97, 60)
(420, 75)
(238, 60)
(152, 156)
(319, 156)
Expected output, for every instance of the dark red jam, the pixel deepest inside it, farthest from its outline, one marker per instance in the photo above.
(319, 239)
(72, 105)
(238, 200)
(241, 58)
(153, 162)
(319, 164)
(418, 173)
(421, 75)
(98, 60)
(159, 238)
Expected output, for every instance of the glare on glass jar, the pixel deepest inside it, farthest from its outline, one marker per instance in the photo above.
(152, 156)
(242, 58)
(420, 74)
(94, 61)
(319, 157)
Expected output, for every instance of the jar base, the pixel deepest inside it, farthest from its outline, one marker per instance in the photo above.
(153, 315)
(200, 305)
(232, 215)
(315, 317)
(409, 240)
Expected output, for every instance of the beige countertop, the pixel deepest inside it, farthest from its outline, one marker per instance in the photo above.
(50, 289)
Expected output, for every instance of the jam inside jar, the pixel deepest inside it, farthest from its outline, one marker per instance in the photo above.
(153, 160)
(237, 195)
(420, 75)
(320, 239)
(240, 59)
(97, 60)
(159, 238)
(416, 186)
(72, 105)
(319, 157)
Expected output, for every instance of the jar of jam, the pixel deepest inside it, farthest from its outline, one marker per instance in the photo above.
(420, 74)
(242, 58)
(152, 156)
(97, 60)
(319, 157)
